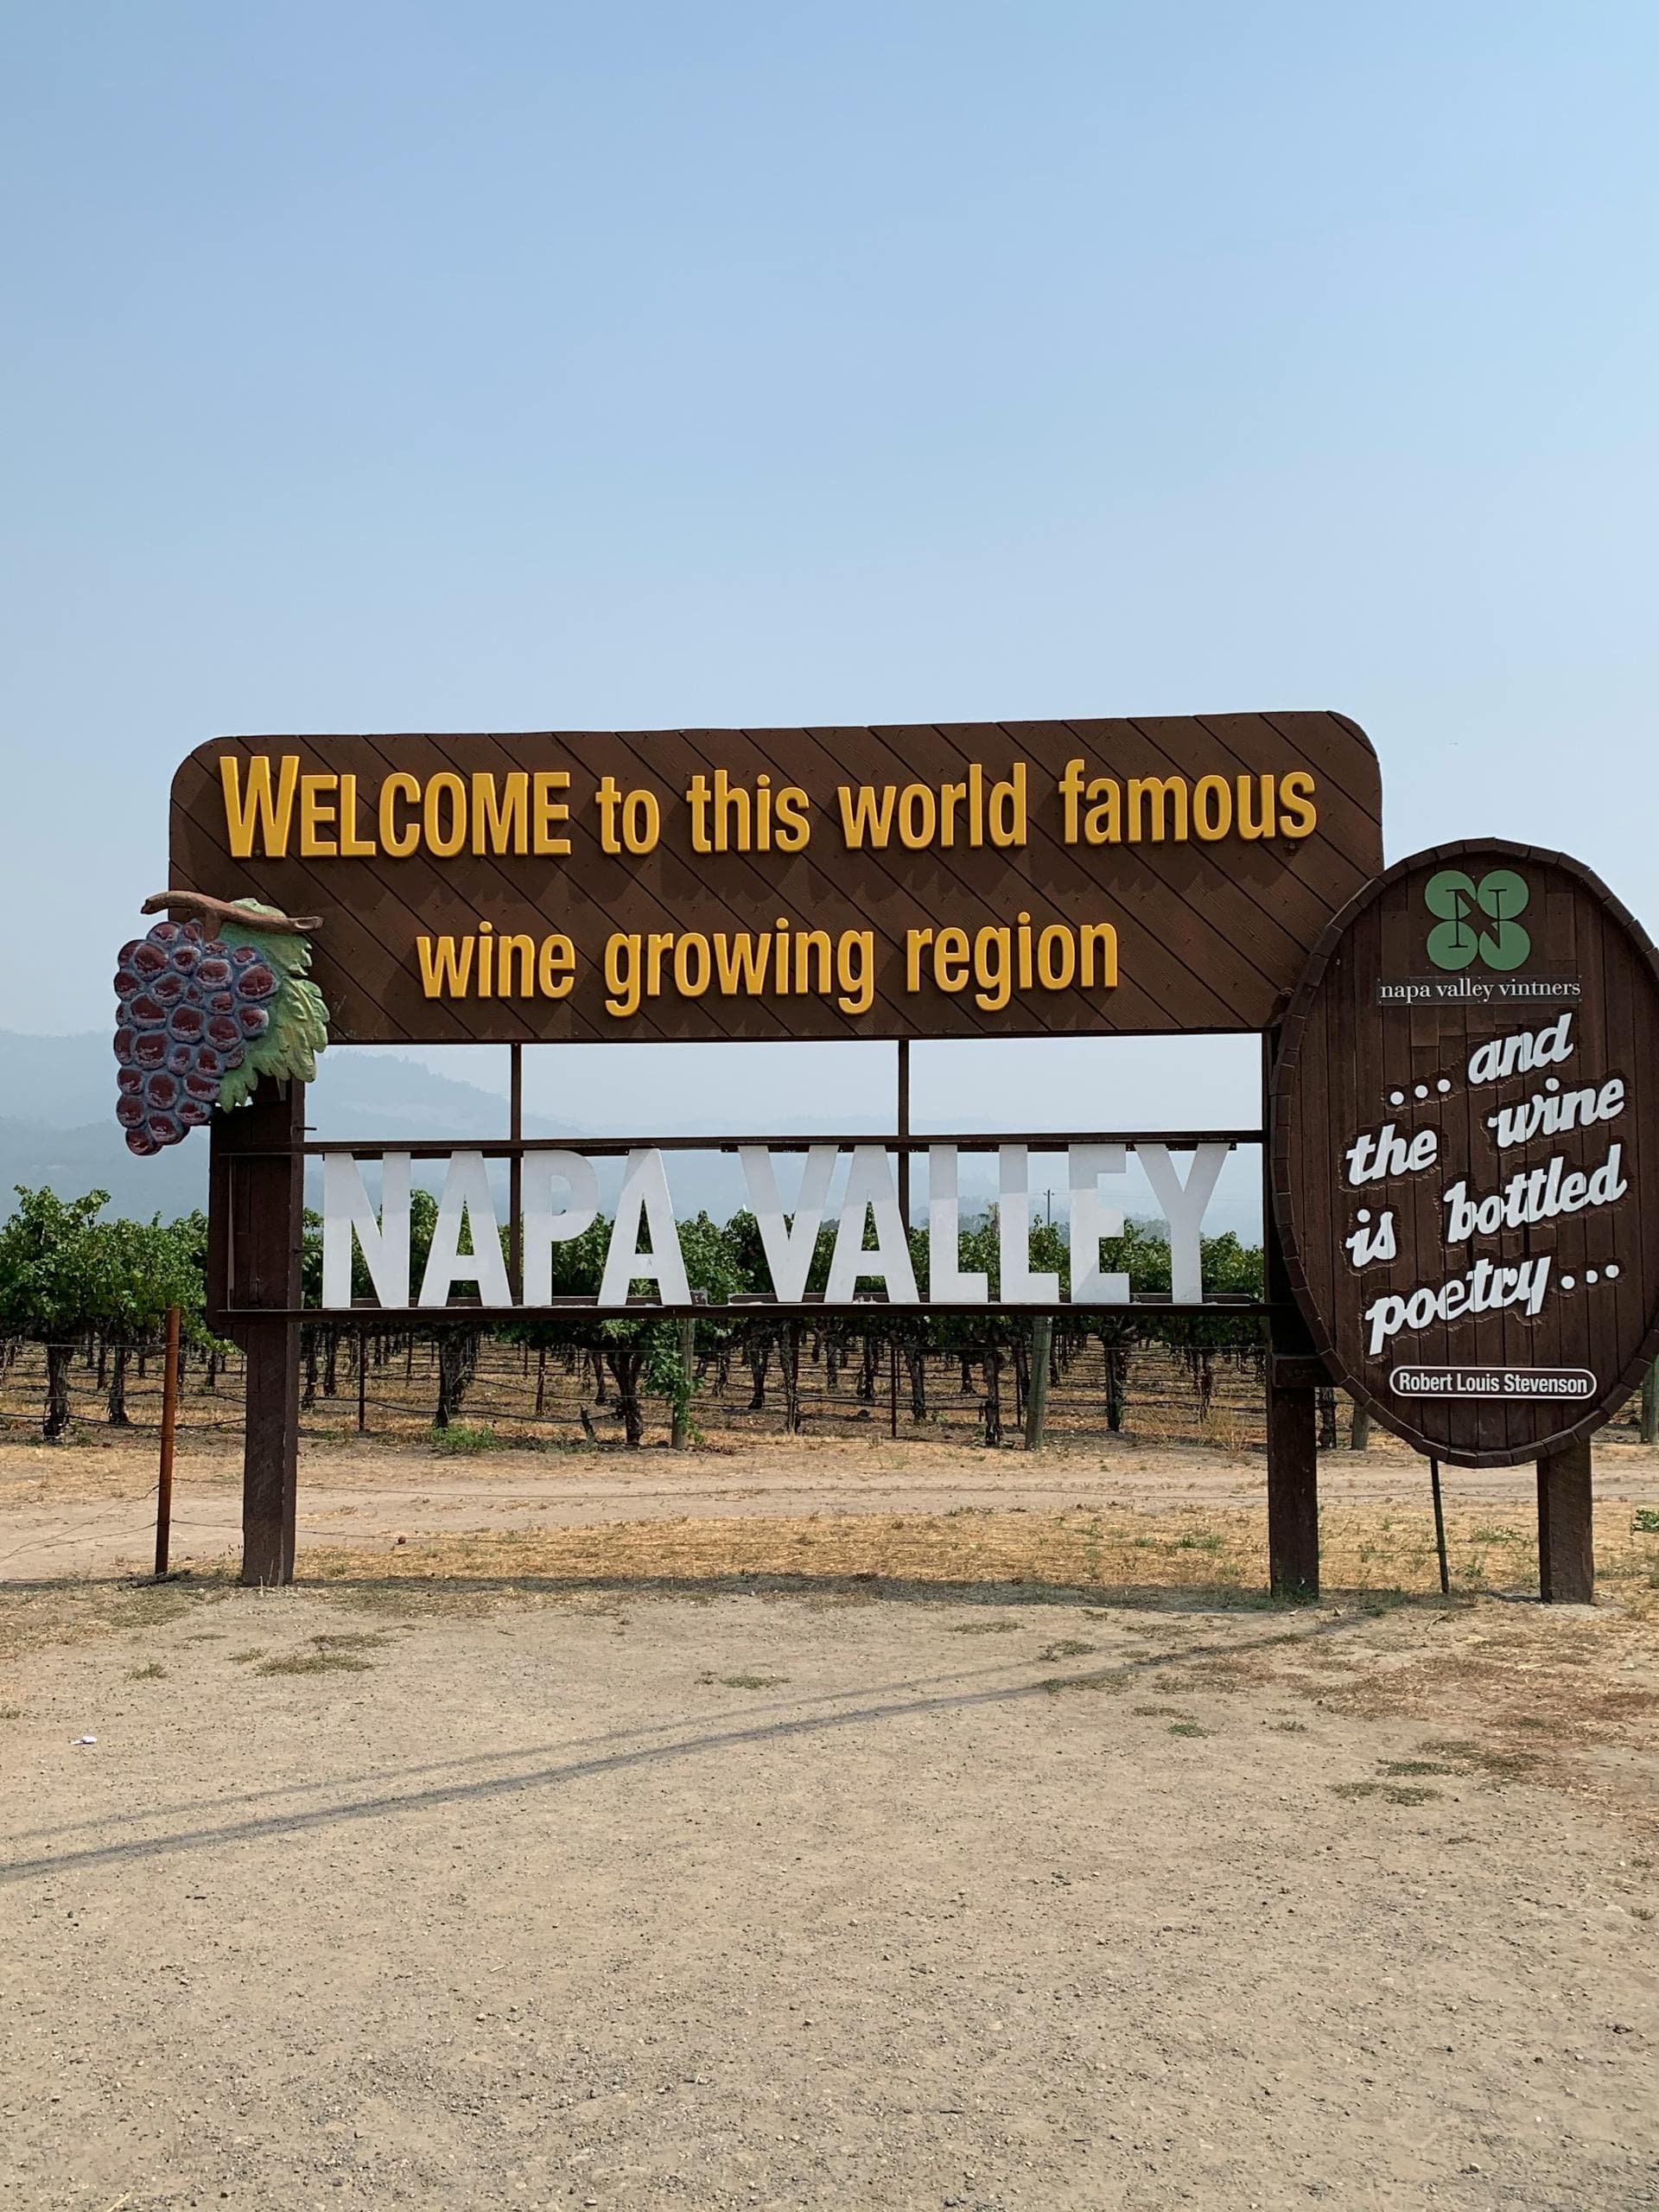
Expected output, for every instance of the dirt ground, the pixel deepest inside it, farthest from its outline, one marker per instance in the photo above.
(878, 1828)
(90, 1507)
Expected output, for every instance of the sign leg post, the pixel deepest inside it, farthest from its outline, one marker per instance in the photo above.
(1294, 1376)
(1567, 1555)
(1293, 1490)
(256, 1187)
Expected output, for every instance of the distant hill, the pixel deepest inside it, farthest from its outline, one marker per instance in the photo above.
(58, 1126)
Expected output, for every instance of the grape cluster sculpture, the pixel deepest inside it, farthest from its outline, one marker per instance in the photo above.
(203, 1007)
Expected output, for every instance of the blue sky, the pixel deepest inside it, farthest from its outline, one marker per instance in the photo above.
(502, 366)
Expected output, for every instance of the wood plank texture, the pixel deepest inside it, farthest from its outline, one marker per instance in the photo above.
(1211, 933)
(1354, 1062)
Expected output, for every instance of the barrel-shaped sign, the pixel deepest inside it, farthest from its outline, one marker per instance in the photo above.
(1465, 1161)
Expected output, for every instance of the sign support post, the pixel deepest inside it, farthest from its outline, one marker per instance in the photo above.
(1293, 1376)
(1566, 1556)
(257, 1179)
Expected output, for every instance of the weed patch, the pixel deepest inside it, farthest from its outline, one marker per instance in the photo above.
(461, 1440)
(314, 1663)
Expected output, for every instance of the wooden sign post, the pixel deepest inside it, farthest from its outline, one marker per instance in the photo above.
(1464, 1154)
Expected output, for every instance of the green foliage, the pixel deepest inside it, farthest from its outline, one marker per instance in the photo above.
(299, 1020)
(64, 1272)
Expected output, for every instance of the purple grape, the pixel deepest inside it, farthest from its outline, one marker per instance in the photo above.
(204, 1087)
(223, 1031)
(214, 970)
(127, 981)
(145, 1011)
(168, 988)
(149, 1048)
(141, 1142)
(196, 931)
(145, 959)
(220, 1002)
(185, 959)
(161, 1090)
(123, 958)
(195, 1113)
(186, 1024)
(166, 932)
(243, 956)
(164, 1129)
(209, 1060)
(257, 983)
(181, 1058)
(125, 1038)
(130, 1112)
(254, 1019)
(129, 1081)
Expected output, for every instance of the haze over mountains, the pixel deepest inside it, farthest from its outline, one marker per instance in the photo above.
(58, 1127)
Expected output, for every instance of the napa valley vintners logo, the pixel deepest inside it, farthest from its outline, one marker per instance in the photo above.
(1478, 920)
(1479, 945)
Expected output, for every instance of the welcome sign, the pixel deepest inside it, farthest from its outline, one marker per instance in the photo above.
(976, 880)
(1465, 1167)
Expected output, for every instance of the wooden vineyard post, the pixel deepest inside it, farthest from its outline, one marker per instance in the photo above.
(680, 1422)
(1566, 1554)
(256, 1192)
(1042, 1343)
(169, 1422)
(1295, 1376)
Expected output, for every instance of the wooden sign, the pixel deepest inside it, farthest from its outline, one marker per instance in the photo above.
(1465, 1155)
(976, 880)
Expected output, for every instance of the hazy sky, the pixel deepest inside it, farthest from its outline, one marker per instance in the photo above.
(511, 366)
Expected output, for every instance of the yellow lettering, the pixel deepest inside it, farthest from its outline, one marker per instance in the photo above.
(918, 817)
(507, 949)
(445, 842)
(1263, 825)
(500, 825)
(1297, 817)
(950, 959)
(546, 811)
(555, 968)
(1166, 794)
(317, 806)
(352, 847)
(856, 970)
(1103, 935)
(1212, 807)
(258, 810)
(862, 815)
(622, 967)
(916, 943)
(399, 840)
(791, 823)
(741, 963)
(1103, 823)
(446, 966)
(1008, 809)
(810, 944)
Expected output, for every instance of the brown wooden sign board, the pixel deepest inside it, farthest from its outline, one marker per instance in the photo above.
(1465, 1158)
(933, 881)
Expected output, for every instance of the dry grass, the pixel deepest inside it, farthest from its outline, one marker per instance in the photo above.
(1384, 1553)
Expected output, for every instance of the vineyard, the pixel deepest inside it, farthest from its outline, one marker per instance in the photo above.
(406, 1387)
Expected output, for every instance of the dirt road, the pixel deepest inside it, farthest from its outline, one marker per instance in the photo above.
(396, 1895)
(90, 1509)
